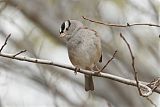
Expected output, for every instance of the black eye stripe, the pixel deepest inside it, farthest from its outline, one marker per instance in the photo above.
(62, 27)
(65, 26)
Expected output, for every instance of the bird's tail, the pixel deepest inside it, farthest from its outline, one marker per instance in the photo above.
(89, 85)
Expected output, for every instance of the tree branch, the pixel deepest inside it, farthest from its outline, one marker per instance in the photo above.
(108, 62)
(104, 75)
(5, 43)
(120, 25)
(145, 87)
(19, 53)
(133, 63)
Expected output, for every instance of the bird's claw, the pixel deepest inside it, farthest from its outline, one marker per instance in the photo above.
(76, 70)
(97, 72)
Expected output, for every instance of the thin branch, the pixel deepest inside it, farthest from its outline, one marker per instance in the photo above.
(151, 102)
(104, 75)
(154, 84)
(19, 53)
(108, 62)
(5, 43)
(133, 66)
(119, 25)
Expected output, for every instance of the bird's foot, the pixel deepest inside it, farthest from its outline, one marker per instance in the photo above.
(76, 70)
(97, 70)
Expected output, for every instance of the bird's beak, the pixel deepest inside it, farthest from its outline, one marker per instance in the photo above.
(62, 35)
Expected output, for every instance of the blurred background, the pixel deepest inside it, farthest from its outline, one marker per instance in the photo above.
(34, 26)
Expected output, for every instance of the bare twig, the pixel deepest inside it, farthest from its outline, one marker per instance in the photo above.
(100, 74)
(119, 25)
(19, 53)
(154, 84)
(5, 43)
(135, 72)
(151, 102)
(108, 62)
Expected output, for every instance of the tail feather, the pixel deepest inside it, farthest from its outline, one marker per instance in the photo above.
(89, 83)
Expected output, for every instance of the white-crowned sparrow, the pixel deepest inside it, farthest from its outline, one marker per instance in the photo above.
(84, 47)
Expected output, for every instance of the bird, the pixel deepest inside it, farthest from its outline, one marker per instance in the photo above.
(84, 47)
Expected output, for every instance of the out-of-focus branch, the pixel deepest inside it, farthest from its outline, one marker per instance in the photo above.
(120, 25)
(47, 23)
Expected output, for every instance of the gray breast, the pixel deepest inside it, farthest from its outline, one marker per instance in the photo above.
(82, 48)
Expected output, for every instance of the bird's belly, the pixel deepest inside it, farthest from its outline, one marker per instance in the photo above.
(81, 57)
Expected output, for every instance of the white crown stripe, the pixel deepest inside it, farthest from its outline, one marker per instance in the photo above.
(66, 24)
